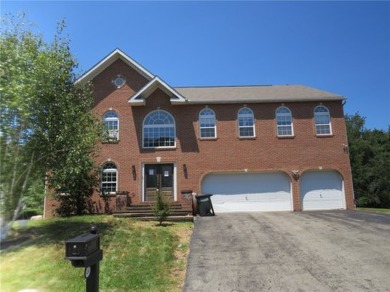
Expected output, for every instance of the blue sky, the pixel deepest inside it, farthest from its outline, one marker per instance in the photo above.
(340, 47)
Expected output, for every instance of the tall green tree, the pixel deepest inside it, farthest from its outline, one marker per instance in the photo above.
(370, 162)
(47, 129)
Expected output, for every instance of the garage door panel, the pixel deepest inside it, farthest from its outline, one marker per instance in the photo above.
(322, 180)
(226, 207)
(251, 202)
(245, 183)
(323, 204)
(248, 192)
(259, 197)
(322, 191)
(326, 194)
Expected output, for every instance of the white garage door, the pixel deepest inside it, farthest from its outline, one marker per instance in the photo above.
(322, 190)
(240, 192)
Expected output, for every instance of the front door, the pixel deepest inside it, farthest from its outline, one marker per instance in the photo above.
(158, 177)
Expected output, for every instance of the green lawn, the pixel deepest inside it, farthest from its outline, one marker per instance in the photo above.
(377, 210)
(137, 256)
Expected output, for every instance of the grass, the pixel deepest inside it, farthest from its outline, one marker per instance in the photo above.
(377, 210)
(137, 256)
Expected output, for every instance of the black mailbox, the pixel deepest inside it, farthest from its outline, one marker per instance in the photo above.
(83, 250)
(82, 245)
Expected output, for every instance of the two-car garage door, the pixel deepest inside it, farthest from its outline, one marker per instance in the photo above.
(243, 192)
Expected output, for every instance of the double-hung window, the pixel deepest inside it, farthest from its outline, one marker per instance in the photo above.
(246, 123)
(322, 121)
(111, 126)
(284, 122)
(207, 124)
(109, 178)
(159, 130)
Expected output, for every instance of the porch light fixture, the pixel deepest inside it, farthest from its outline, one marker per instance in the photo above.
(185, 170)
(134, 172)
(345, 148)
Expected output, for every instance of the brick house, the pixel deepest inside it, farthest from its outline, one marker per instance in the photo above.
(256, 148)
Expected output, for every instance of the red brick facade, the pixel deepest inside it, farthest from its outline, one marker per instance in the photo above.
(193, 157)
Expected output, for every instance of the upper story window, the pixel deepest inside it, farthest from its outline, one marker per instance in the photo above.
(246, 122)
(159, 130)
(207, 124)
(119, 81)
(111, 126)
(322, 121)
(109, 178)
(284, 122)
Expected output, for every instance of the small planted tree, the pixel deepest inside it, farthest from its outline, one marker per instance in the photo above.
(161, 208)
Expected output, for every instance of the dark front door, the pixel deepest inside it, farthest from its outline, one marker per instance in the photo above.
(158, 177)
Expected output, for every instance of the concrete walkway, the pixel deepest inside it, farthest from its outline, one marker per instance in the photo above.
(285, 251)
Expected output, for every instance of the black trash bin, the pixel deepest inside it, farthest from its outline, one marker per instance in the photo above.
(204, 206)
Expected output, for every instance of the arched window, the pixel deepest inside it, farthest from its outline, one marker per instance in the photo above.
(322, 120)
(246, 122)
(284, 122)
(207, 125)
(109, 182)
(159, 130)
(111, 126)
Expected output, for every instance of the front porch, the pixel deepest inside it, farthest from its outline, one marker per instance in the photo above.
(179, 211)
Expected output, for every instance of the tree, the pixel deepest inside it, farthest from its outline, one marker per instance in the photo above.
(47, 129)
(370, 162)
(161, 208)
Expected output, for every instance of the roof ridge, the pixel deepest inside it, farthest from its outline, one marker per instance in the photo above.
(224, 86)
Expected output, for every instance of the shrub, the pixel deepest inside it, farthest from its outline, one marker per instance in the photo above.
(160, 208)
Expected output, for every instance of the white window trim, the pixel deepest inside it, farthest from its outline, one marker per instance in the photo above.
(117, 78)
(289, 114)
(113, 133)
(213, 127)
(327, 113)
(110, 170)
(251, 115)
(159, 126)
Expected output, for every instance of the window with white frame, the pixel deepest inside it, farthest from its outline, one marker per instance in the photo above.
(246, 123)
(159, 130)
(119, 81)
(207, 124)
(109, 178)
(284, 122)
(111, 126)
(322, 121)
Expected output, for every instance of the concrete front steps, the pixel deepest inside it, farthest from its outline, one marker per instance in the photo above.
(144, 212)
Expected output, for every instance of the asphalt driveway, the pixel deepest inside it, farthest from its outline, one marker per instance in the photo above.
(285, 251)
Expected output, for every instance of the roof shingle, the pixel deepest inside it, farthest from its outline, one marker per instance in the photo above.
(255, 94)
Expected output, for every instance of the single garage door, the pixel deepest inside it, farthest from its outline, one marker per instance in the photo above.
(322, 190)
(243, 192)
